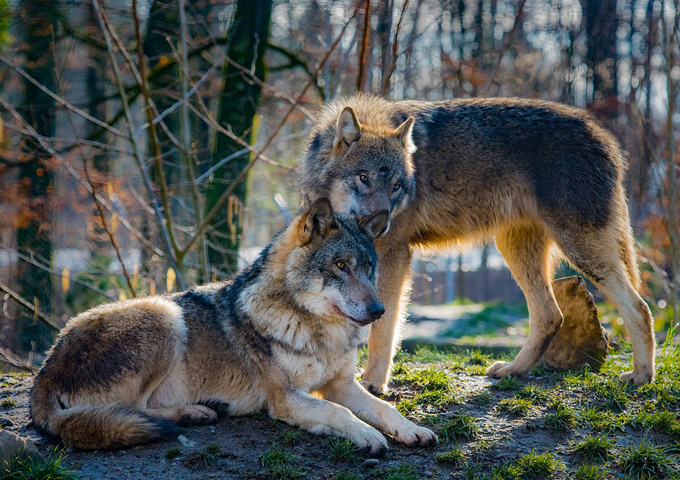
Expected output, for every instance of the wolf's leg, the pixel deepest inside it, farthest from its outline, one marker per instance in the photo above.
(348, 392)
(186, 415)
(526, 249)
(394, 270)
(321, 416)
(600, 256)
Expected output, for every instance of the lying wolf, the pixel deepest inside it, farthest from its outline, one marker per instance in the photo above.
(533, 175)
(127, 373)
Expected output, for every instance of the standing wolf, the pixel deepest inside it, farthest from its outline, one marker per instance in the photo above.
(126, 373)
(533, 175)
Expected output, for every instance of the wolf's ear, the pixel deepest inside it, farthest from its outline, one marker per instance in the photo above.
(405, 134)
(374, 225)
(319, 220)
(348, 128)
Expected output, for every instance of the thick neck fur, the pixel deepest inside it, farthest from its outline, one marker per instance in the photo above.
(266, 300)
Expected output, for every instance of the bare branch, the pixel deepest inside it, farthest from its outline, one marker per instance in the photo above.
(30, 306)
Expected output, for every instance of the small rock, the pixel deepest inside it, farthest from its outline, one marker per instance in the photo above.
(370, 463)
(185, 441)
(581, 340)
(12, 445)
(6, 422)
(428, 474)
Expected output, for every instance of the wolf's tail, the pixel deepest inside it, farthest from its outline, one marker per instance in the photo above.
(90, 427)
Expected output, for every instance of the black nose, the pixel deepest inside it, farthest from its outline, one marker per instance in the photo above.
(376, 310)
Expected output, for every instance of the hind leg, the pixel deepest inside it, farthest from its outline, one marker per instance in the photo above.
(526, 250)
(186, 415)
(597, 255)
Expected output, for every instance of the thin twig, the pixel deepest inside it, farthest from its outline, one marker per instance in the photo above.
(30, 306)
(387, 75)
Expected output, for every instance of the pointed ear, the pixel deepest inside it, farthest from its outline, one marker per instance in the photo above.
(319, 220)
(405, 134)
(374, 225)
(348, 128)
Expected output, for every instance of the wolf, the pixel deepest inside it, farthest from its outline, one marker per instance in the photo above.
(543, 179)
(131, 372)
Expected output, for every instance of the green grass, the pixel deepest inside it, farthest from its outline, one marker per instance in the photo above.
(591, 472)
(593, 448)
(276, 457)
(536, 466)
(605, 421)
(454, 457)
(516, 406)
(660, 421)
(507, 384)
(645, 461)
(532, 392)
(26, 468)
(342, 450)
(459, 426)
(561, 421)
(404, 471)
(172, 453)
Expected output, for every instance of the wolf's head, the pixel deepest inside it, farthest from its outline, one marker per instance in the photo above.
(330, 267)
(363, 169)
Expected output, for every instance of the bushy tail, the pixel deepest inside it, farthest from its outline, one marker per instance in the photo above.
(110, 426)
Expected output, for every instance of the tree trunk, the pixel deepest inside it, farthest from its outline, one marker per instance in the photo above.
(238, 104)
(37, 19)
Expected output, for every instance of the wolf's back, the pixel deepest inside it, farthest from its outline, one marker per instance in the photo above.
(90, 427)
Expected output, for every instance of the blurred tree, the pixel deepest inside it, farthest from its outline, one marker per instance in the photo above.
(4, 22)
(37, 22)
(238, 104)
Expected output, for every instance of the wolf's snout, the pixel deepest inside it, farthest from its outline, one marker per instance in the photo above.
(376, 310)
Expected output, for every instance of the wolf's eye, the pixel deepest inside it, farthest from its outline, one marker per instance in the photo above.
(396, 187)
(363, 177)
(341, 265)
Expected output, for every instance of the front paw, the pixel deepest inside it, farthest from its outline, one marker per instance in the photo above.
(504, 369)
(374, 388)
(638, 377)
(414, 436)
(369, 440)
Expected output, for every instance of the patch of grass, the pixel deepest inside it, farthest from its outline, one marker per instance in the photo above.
(516, 406)
(481, 399)
(26, 468)
(612, 394)
(604, 421)
(593, 449)
(477, 358)
(507, 384)
(661, 421)
(203, 459)
(342, 450)
(561, 421)
(454, 457)
(288, 437)
(171, 453)
(532, 392)
(459, 426)
(536, 466)
(645, 461)
(404, 471)
(275, 457)
(591, 472)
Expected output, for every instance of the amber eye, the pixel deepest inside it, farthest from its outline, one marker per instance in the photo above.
(396, 187)
(341, 265)
(363, 177)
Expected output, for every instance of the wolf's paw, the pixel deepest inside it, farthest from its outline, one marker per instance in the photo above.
(369, 441)
(503, 369)
(638, 377)
(415, 436)
(196, 415)
(374, 388)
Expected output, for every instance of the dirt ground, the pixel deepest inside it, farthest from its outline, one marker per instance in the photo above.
(236, 448)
